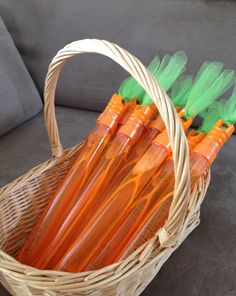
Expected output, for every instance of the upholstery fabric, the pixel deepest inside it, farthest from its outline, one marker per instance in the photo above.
(205, 264)
(30, 139)
(205, 29)
(19, 98)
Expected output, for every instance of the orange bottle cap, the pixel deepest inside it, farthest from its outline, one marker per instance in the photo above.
(150, 118)
(194, 138)
(186, 123)
(162, 139)
(130, 106)
(154, 108)
(158, 124)
(217, 137)
(181, 113)
(112, 113)
(136, 121)
(192, 133)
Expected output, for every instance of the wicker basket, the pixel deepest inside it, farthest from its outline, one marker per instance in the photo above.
(22, 201)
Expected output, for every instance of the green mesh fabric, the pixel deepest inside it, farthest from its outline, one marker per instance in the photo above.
(154, 65)
(205, 77)
(223, 109)
(173, 70)
(164, 62)
(204, 93)
(126, 88)
(170, 69)
(130, 88)
(228, 109)
(210, 117)
(180, 90)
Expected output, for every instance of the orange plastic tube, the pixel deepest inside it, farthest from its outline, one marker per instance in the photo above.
(202, 156)
(64, 198)
(155, 216)
(147, 133)
(163, 179)
(119, 245)
(87, 201)
(130, 106)
(89, 240)
(151, 223)
(155, 128)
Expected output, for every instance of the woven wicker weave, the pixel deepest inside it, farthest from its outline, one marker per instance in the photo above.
(23, 200)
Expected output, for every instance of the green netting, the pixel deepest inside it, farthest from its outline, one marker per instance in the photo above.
(205, 77)
(130, 88)
(223, 109)
(210, 117)
(170, 69)
(154, 65)
(180, 90)
(228, 109)
(173, 70)
(126, 88)
(164, 62)
(199, 100)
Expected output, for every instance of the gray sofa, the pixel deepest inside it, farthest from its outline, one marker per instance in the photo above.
(206, 262)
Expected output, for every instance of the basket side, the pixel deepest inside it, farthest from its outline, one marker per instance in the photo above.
(22, 201)
(129, 277)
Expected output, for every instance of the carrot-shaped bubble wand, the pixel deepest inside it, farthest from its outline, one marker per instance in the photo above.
(179, 94)
(129, 88)
(116, 242)
(218, 125)
(181, 90)
(160, 184)
(166, 73)
(60, 204)
(117, 153)
(87, 244)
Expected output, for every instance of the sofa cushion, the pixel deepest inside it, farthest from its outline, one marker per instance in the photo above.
(204, 29)
(19, 99)
(28, 145)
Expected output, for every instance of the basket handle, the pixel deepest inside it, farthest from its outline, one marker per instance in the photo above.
(177, 213)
